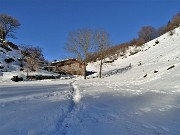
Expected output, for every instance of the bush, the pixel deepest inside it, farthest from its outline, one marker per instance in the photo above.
(9, 60)
(171, 32)
(42, 77)
(5, 46)
(16, 79)
(157, 42)
(13, 46)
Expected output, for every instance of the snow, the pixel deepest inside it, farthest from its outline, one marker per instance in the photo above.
(77, 95)
(123, 102)
(126, 103)
(33, 108)
(14, 54)
(6, 76)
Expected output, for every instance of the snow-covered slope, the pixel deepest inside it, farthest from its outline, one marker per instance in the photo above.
(9, 57)
(153, 60)
(139, 95)
(10, 63)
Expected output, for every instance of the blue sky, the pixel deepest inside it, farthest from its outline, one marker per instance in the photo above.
(46, 23)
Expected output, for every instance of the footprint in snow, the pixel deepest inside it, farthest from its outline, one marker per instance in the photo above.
(146, 109)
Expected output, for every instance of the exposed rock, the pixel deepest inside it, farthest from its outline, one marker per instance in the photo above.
(145, 76)
(9, 60)
(5, 46)
(155, 71)
(171, 67)
(13, 45)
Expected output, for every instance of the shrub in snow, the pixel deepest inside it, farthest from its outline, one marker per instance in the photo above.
(109, 61)
(9, 60)
(156, 42)
(2, 51)
(121, 54)
(16, 79)
(171, 32)
(13, 46)
(5, 46)
(125, 56)
(140, 63)
(133, 50)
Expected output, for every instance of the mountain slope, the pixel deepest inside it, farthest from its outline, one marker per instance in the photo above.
(10, 55)
(152, 58)
(141, 99)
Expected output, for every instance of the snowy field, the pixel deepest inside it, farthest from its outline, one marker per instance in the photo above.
(34, 108)
(141, 100)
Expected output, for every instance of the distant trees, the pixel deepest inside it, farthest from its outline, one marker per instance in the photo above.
(80, 43)
(161, 30)
(8, 26)
(136, 42)
(176, 20)
(102, 41)
(171, 25)
(147, 33)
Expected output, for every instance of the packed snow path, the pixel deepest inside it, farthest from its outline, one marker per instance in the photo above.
(89, 107)
(38, 108)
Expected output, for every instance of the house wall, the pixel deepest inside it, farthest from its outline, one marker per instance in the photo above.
(73, 68)
(69, 66)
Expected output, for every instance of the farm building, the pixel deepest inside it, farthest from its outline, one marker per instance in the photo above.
(69, 66)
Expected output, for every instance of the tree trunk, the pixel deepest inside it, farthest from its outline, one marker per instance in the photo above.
(100, 69)
(85, 70)
(21, 62)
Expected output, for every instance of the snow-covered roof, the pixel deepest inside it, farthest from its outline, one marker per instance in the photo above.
(64, 60)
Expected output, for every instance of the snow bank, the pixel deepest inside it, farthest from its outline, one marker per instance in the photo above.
(76, 95)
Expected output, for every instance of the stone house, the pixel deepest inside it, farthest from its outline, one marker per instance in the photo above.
(69, 66)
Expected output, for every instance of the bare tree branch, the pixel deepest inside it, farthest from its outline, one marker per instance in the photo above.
(102, 43)
(79, 43)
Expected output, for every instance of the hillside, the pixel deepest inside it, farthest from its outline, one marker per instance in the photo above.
(10, 57)
(132, 98)
(151, 58)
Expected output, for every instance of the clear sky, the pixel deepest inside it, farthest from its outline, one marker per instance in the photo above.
(46, 23)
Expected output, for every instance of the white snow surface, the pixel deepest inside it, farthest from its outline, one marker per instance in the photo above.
(5, 77)
(14, 54)
(123, 102)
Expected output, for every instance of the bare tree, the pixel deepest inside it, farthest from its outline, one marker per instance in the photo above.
(176, 20)
(103, 42)
(33, 57)
(80, 43)
(8, 26)
(161, 30)
(136, 42)
(147, 33)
